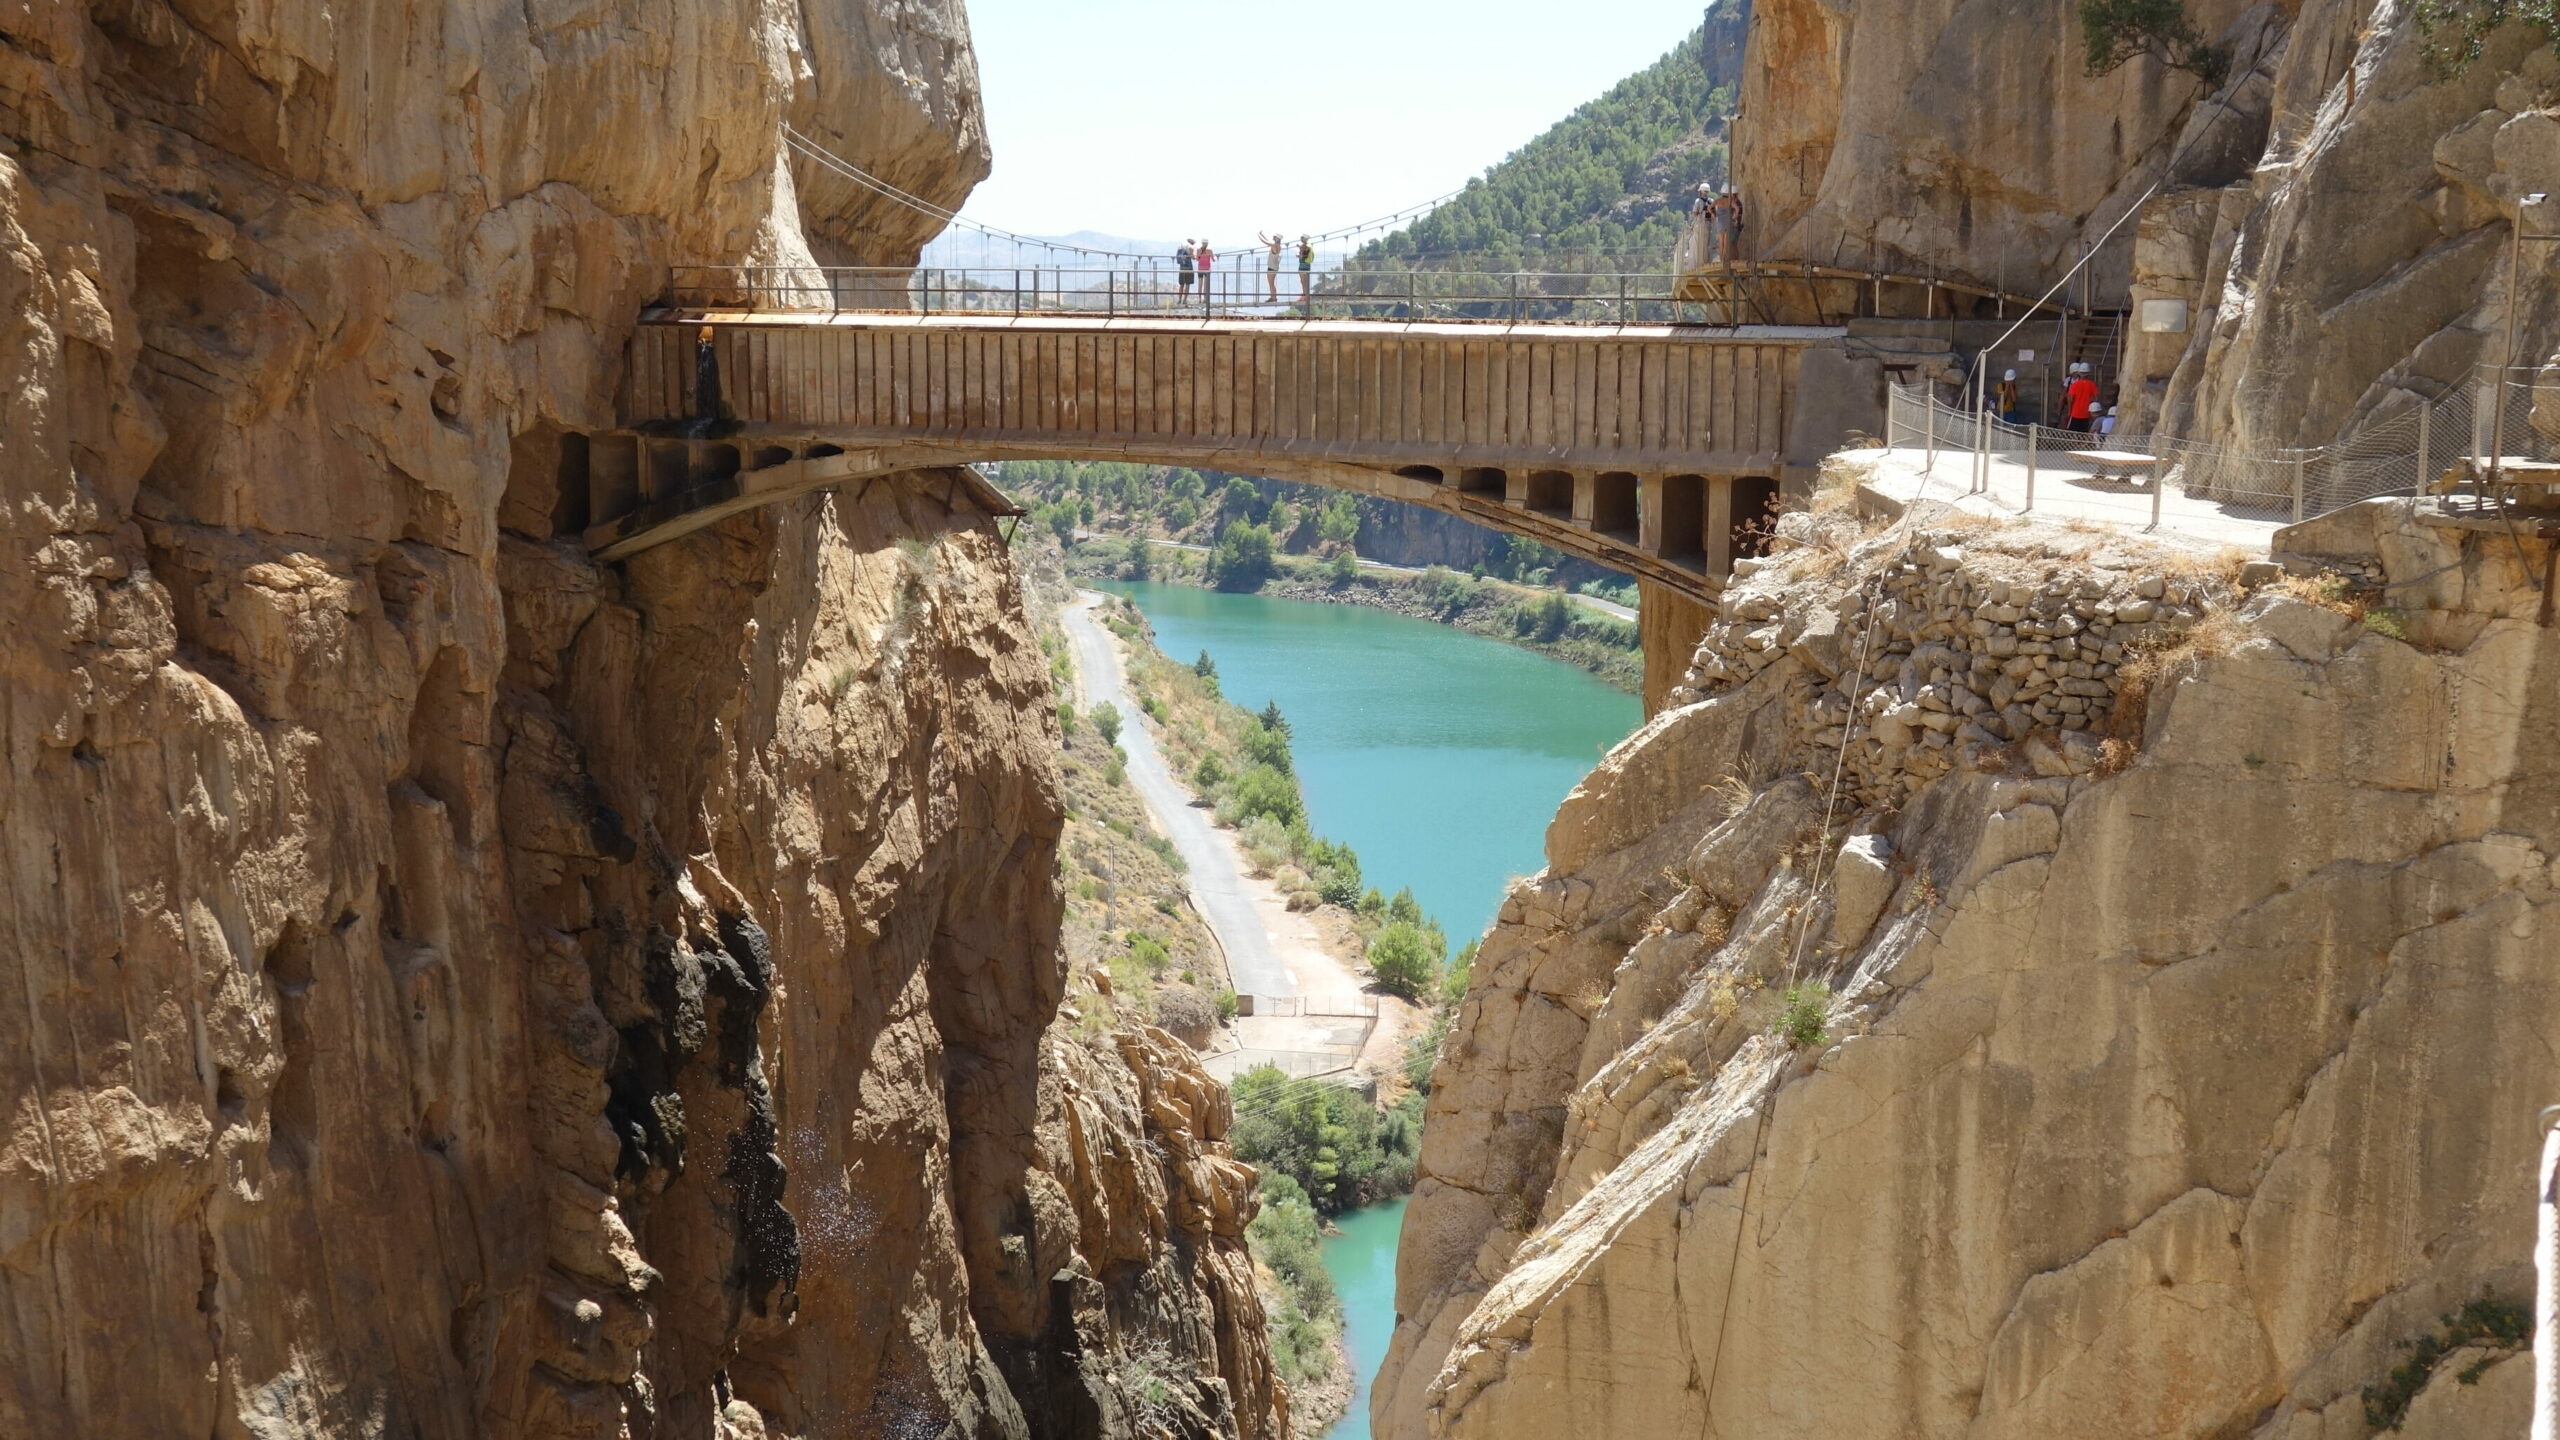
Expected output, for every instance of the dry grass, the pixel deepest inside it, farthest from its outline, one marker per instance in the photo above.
(1734, 791)
(2156, 669)
(2219, 568)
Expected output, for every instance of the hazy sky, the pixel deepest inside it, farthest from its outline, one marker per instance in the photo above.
(1160, 119)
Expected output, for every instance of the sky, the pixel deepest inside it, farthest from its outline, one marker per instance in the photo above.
(1164, 119)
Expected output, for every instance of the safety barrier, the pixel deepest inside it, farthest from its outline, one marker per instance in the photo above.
(2504, 420)
(1236, 287)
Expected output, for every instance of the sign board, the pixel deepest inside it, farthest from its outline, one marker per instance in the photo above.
(2163, 317)
(2026, 357)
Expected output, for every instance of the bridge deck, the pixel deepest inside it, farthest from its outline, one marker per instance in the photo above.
(1654, 449)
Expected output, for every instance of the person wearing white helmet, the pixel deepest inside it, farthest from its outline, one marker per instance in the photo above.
(2107, 422)
(2005, 401)
(2080, 400)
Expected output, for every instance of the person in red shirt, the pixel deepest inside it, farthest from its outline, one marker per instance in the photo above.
(2080, 399)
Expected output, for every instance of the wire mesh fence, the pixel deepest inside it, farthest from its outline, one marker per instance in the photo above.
(2504, 426)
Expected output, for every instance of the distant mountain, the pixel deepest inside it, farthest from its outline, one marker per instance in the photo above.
(1611, 180)
(961, 249)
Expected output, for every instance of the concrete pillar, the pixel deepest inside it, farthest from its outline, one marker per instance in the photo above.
(1649, 510)
(1670, 625)
(1586, 498)
(1720, 527)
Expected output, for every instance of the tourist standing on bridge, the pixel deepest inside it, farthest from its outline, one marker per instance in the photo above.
(2006, 397)
(1182, 270)
(1306, 270)
(1207, 259)
(1726, 225)
(1271, 271)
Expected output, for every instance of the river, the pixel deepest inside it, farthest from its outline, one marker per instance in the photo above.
(1440, 757)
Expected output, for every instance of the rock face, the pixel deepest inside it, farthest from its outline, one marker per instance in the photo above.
(462, 990)
(2162, 1087)
(2331, 221)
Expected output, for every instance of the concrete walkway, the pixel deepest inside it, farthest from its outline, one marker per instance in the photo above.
(2064, 494)
(1217, 889)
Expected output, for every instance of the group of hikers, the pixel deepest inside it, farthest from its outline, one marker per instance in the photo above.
(2080, 408)
(1197, 262)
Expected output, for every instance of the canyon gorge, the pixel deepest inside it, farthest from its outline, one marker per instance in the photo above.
(2025, 980)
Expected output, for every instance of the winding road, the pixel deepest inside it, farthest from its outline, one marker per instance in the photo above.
(1217, 890)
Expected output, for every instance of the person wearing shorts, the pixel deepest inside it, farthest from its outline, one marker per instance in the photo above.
(1271, 270)
(1306, 269)
(1182, 270)
(1207, 260)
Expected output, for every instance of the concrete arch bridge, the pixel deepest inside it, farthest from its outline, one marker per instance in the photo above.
(1657, 450)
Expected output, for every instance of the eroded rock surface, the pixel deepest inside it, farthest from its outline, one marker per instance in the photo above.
(2166, 1095)
(458, 989)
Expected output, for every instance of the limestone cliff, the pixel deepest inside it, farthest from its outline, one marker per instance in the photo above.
(459, 989)
(2186, 1007)
(2333, 215)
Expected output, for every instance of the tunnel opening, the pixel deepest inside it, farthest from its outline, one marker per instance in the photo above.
(1755, 516)
(1551, 493)
(1613, 505)
(1427, 474)
(1481, 480)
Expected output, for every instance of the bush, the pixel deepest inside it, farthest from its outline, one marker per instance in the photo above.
(2455, 28)
(1106, 722)
(1241, 560)
(1402, 956)
(1265, 745)
(1155, 709)
(1326, 1137)
(1286, 1235)
(1343, 568)
(1804, 1014)
(1204, 667)
(1208, 775)
(1184, 1010)
(2113, 32)
(1261, 790)
(1066, 718)
(1266, 844)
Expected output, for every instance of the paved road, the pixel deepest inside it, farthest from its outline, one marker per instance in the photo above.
(1609, 608)
(1217, 891)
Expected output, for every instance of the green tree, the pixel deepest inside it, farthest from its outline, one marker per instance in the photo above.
(2116, 32)
(1401, 954)
(1261, 790)
(1266, 744)
(1343, 569)
(1325, 1137)
(1204, 667)
(1106, 722)
(1138, 559)
(1241, 560)
(1338, 524)
(1272, 719)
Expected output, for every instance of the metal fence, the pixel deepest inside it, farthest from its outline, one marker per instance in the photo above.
(2505, 419)
(1236, 290)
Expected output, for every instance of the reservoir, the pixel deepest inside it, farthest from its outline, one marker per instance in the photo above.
(1438, 755)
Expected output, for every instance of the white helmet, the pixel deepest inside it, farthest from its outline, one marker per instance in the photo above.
(2008, 374)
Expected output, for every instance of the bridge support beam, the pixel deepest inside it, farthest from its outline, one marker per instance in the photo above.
(1670, 625)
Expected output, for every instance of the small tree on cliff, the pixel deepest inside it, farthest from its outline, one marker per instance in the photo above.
(2115, 32)
(1404, 959)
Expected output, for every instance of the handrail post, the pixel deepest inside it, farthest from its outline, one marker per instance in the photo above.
(2426, 424)
(2160, 482)
(1929, 412)
(2034, 435)
(2301, 465)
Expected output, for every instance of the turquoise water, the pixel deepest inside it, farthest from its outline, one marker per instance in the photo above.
(1362, 1261)
(1438, 755)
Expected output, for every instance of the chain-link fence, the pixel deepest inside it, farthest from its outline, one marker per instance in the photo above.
(2504, 426)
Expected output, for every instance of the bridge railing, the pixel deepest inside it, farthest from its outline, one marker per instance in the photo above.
(1251, 290)
(2506, 420)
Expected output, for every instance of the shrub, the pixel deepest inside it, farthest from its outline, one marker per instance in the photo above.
(1266, 843)
(1263, 744)
(2455, 28)
(1155, 709)
(2488, 1322)
(1066, 718)
(1204, 667)
(1106, 722)
(1404, 908)
(1402, 956)
(1343, 568)
(1804, 1014)
(1208, 775)
(1260, 790)
(1184, 1010)
(2113, 32)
